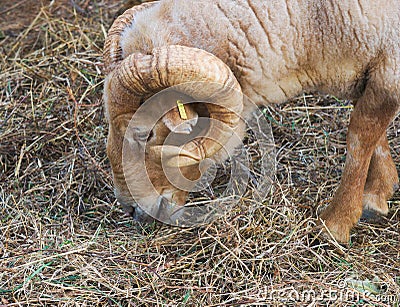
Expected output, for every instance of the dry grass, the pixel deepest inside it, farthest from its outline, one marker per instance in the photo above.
(63, 240)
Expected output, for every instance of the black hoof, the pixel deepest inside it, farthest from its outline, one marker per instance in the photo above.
(371, 216)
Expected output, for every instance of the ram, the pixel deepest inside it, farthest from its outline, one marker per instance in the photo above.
(269, 51)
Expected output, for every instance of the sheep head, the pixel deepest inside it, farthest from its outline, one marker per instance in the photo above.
(193, 75)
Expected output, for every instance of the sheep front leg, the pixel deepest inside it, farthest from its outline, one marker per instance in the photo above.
(382, 181)
(369, 120)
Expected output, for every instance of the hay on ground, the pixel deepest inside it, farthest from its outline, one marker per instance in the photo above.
(64, 240)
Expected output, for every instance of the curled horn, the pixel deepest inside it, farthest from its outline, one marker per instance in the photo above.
(192, 71)
(112, 46)
(198, 74)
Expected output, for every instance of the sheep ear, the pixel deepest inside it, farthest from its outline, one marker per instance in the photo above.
(176, 124)
(137, 134)
(183, 128)
(173, 156)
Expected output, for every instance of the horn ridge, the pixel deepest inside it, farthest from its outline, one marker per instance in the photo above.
(196, 73)
(112, 47)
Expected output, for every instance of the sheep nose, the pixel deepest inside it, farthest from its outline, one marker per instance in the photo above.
(163, 209)
(160, 211)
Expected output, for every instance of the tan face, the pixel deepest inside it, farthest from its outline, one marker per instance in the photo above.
(143, 143)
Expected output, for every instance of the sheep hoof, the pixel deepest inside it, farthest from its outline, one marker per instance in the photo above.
(321, 238)
(371, 216)
(374, 203)
(340, 233)
(335, 227)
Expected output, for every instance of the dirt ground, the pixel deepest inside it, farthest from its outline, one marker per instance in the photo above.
(65, 241)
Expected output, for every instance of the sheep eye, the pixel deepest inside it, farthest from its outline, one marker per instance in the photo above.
(144, 136)
(151, 134)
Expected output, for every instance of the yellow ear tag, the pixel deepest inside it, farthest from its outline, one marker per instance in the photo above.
(181, 108)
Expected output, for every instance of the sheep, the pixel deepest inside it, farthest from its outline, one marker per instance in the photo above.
(269, 51)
